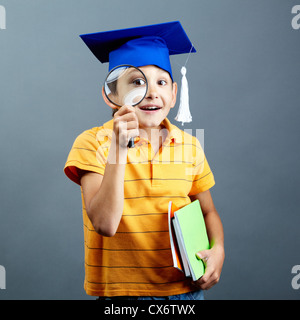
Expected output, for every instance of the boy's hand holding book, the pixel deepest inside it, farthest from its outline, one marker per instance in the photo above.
(213, 260)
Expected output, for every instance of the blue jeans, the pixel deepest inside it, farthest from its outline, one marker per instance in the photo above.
(194, 295)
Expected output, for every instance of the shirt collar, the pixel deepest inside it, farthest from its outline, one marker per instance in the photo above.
(174, 135)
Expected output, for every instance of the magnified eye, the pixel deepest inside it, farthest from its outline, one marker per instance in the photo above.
(139, 82)
(125, 84)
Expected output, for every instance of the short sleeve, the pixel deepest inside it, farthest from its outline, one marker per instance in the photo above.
(89, 153)
(203, 178)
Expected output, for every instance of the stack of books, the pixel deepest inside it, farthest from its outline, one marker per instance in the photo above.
(187, 237)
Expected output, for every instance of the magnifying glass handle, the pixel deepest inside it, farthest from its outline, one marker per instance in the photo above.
(131, 143)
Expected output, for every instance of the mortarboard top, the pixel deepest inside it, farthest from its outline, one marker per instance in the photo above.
(147, 45)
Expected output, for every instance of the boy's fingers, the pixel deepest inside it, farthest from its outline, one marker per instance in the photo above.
(203, 255)
(124, 127)
(126, 135)
(133, 133)
(204, 282)
(127, 117)
(126, 124)
(123, 110)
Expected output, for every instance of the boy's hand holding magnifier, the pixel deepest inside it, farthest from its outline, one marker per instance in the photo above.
(125, 87)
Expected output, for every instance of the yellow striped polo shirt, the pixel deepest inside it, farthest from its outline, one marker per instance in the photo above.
(137, 260)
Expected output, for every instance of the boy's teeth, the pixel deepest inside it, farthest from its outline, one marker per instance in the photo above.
(150, 108)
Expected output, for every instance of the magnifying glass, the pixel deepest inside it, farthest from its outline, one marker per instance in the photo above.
(126, 85)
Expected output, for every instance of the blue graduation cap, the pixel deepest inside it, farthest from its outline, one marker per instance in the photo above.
(141, 46)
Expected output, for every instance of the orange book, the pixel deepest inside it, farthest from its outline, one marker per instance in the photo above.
(177, 263)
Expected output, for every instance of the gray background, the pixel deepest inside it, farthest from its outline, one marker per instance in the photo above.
(244, 92)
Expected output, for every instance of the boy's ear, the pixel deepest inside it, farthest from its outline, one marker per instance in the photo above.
(174, 94)
(107, 101)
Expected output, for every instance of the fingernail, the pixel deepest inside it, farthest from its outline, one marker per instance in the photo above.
(199, 256)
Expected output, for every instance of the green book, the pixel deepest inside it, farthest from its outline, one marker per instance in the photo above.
(191, 235)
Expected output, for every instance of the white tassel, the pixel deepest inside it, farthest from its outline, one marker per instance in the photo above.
(184, 114)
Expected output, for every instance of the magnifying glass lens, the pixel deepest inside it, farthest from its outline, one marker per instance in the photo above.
(125, 85)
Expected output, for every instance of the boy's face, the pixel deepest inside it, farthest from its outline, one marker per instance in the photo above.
(160, 98)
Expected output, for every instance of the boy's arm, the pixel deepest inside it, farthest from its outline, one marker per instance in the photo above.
(213, 257)
(104, 195)
(103, 198)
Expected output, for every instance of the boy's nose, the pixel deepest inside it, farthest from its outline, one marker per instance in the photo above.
(151, 92)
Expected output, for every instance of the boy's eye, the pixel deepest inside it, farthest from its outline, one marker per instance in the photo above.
(162, 82)
(139, 82)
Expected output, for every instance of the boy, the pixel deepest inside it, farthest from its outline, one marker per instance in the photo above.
(126, 191)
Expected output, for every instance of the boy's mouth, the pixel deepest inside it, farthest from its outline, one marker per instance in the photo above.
(150, 108)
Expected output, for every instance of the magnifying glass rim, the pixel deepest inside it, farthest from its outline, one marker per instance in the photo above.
(128, 66)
